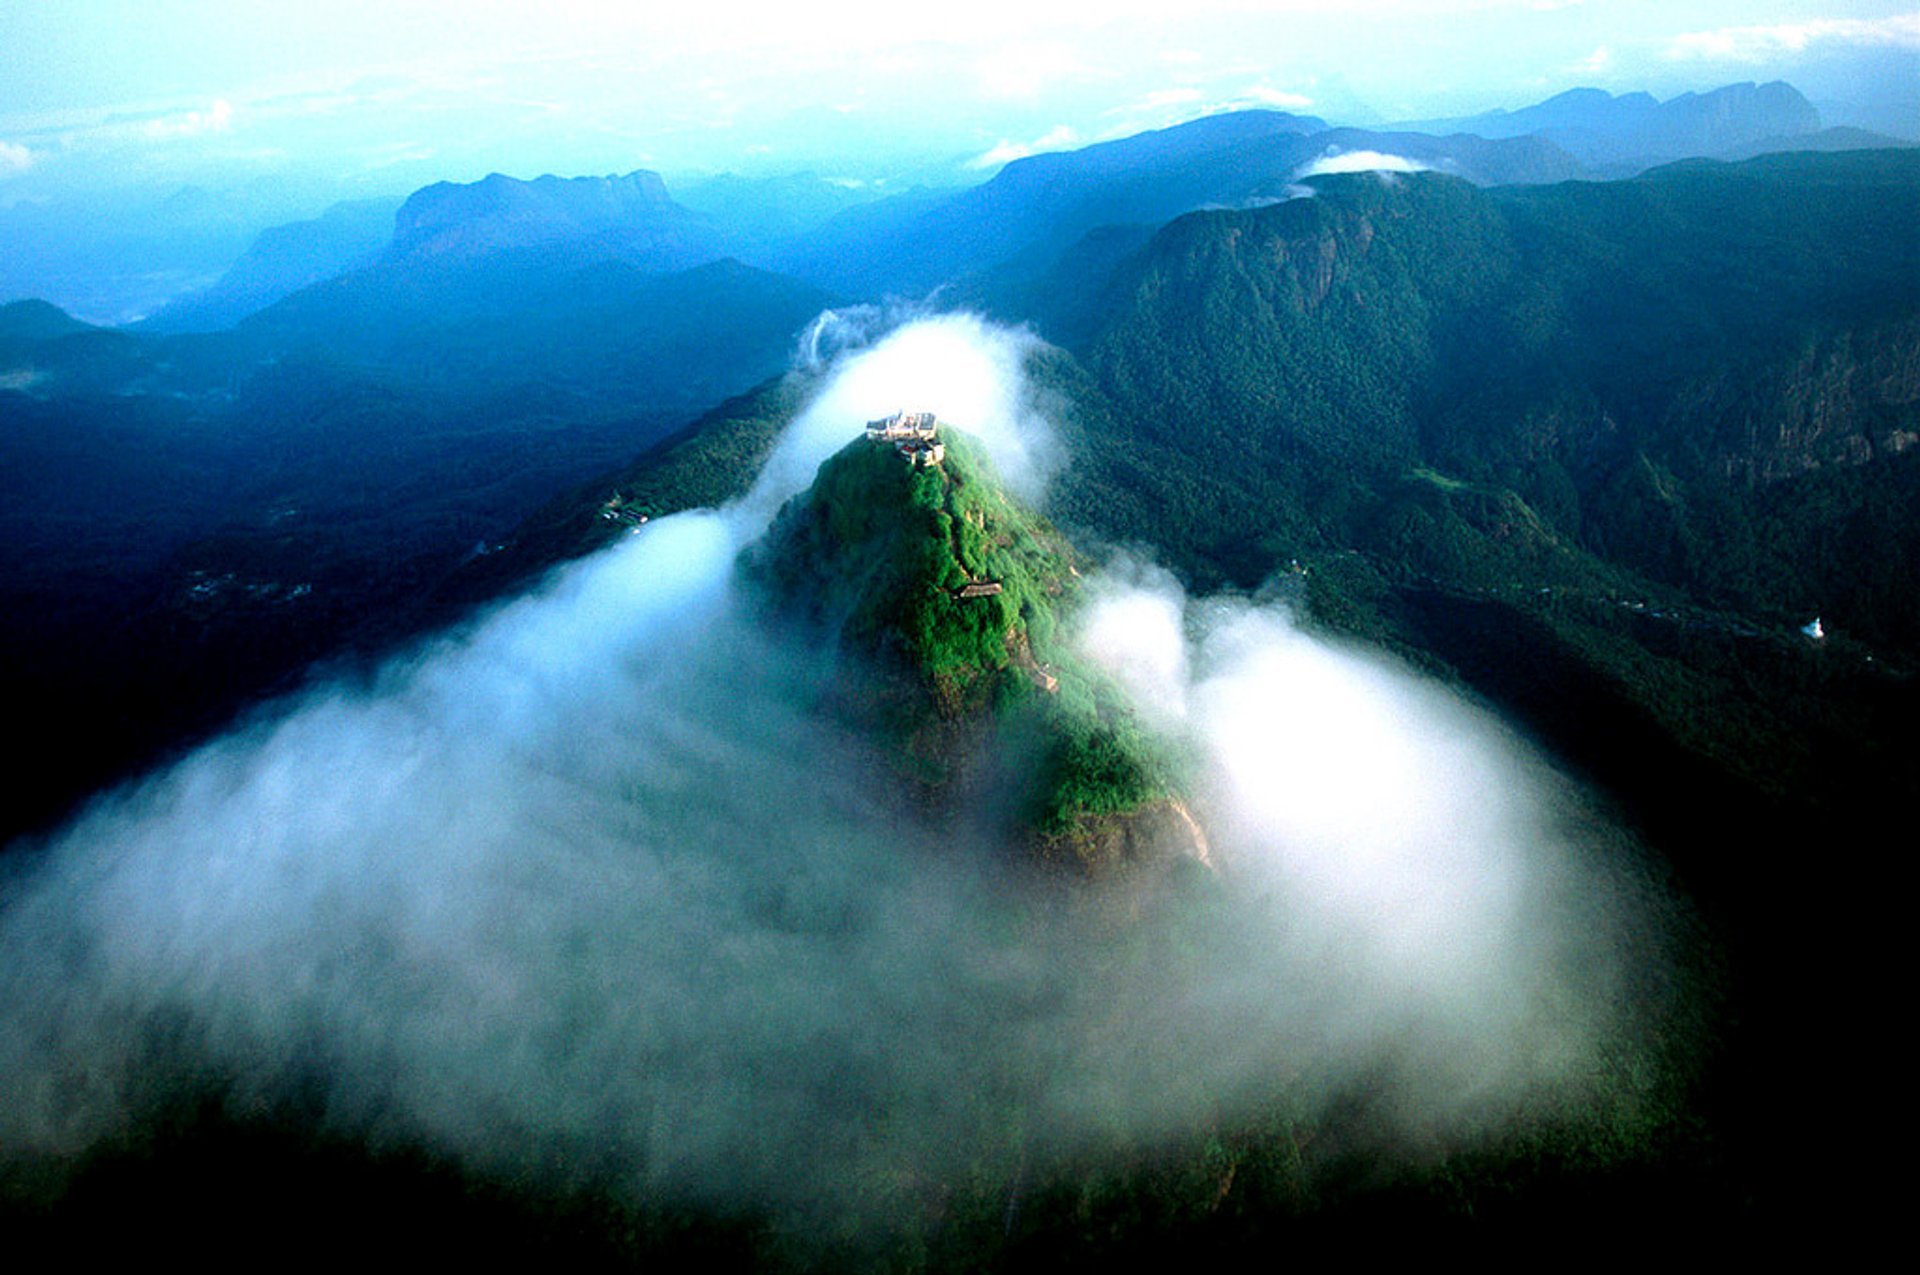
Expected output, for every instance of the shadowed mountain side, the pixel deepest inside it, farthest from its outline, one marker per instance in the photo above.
(609, 331)
(281, 261)
(27, 321)
(1841, 138)
(701, 466)
(192, 520)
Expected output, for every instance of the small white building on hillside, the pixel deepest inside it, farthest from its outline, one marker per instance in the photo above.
(915, 435)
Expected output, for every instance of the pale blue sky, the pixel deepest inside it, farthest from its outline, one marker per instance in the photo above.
(347, 95)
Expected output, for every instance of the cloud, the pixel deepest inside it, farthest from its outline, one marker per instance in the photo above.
(217, 118)
(1759, 43)
(15, 159)
(1058, 138)
(1361, 162)
(969, 371)
(1595, 63)
(392, 154)
(1283, 99)
(1172, 106)
(1026, 71)
(1160, 99)
(603, 883)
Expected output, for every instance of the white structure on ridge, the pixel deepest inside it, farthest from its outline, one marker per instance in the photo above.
(913, 434)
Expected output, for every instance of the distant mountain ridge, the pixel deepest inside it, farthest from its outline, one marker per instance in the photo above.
(37, 321)
(629, 218)
(1017, 223)
(281, 261)
(442, 229)
(1035, 208)
(1649, 365)
(1600, 129)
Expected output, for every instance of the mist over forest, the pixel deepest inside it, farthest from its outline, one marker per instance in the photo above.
(1204, 656)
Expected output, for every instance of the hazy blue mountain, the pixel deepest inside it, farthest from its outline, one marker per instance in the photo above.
(1602, 130)
(757, 212)
(44, 350)
(1518, 161)
(36, 321)
(629, 218)
(191, 520)
(614, 334)
(1827, 139)
(559, 281)
(1035, 208)
(282, 260)
(116, 257)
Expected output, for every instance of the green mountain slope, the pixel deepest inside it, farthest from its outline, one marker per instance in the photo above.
(880, 550)
(1643, 363)
(949, 602)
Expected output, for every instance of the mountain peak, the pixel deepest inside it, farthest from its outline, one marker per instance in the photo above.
(1597, 127)
(35, 320)
(911, 550)
(948, 601)
(630, 216)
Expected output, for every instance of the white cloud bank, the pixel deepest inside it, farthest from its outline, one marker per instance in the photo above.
(1361, 162)
(1058, 138)
(217, 118)
(600, 885)
(1759, 43)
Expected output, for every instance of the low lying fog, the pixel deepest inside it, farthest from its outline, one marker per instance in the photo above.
(590, 892)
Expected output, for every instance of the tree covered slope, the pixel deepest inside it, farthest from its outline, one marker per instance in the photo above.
(950, 603)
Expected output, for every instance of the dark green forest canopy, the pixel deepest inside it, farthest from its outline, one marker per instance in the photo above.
(1650, 367)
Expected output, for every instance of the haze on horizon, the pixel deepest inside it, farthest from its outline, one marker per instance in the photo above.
(329, 100)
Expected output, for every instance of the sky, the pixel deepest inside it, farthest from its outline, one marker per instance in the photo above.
(339, 97)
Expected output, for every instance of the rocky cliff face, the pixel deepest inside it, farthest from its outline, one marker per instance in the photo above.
(1846, 399)
(1140, 843)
